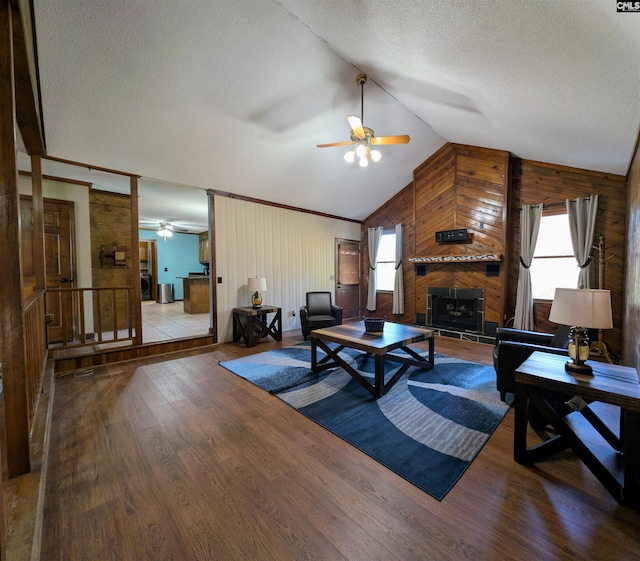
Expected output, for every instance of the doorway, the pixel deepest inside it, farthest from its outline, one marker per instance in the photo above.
(348, 277)
(148, 269)
(59, 248)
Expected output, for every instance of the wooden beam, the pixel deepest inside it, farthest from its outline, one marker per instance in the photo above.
(58, 179)
(90, 167)
(26, 81)
(12, 351)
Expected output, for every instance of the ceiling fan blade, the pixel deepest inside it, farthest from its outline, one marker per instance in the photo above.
(356, 126)
(169, 226)
(399, 139)
(335, 144)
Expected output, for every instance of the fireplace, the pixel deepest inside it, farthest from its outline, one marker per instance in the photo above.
(459, 309)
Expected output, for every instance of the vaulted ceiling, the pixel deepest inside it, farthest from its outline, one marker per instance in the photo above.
(235, 95)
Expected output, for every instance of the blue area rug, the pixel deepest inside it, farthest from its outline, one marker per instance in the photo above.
(427, 428)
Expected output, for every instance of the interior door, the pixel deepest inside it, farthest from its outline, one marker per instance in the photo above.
(59, 260)
(348, 277)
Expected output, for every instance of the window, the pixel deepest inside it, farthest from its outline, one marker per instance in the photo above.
(553, 263)
(386, 268)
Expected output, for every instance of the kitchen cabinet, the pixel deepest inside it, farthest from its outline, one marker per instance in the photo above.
(204, 248)
(196, 294)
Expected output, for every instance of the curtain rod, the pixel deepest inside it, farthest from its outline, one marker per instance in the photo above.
(560, 203)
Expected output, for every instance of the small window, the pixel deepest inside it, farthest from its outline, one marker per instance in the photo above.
(554, 265)
(386, 267)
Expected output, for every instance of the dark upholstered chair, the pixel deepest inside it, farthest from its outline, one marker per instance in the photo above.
(319, 312)
(514, 346)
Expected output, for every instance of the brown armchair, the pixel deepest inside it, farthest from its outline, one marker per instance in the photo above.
(514, 346)
(319, 312)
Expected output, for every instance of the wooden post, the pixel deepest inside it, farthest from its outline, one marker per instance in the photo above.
(135, 260)
(601, 262)
(213, 279)
(12, 350)
(38, 222)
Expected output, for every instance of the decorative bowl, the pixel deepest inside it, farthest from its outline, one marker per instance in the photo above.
(374, 325)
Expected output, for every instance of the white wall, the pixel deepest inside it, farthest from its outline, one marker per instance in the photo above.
(294, 251)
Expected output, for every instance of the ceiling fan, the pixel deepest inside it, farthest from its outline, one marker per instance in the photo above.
(362, 137)
(166, 230)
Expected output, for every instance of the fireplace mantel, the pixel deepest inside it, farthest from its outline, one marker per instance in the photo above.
(487, 258)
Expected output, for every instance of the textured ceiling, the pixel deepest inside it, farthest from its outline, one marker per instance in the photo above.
(235, 95)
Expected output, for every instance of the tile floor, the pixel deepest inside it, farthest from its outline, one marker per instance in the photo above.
(161, 322)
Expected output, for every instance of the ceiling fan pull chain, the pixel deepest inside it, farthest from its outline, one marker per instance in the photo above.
(362, 81)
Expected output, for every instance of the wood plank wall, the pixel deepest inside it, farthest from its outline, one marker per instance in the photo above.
(536, 182)
(482, 190)
(631, 313)
(397, 210)
(458, 187)
(477, 199)
(111, 222)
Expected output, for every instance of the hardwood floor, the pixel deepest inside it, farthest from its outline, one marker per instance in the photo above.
(176, 458)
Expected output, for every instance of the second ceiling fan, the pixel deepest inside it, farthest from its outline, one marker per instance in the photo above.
(362, 137)
(166, 230)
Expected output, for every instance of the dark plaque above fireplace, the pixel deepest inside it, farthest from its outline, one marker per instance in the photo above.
(450, 236)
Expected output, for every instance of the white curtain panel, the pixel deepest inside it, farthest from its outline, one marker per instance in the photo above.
(582, 222)
(375, 235)
(398, 282)
(529, 227)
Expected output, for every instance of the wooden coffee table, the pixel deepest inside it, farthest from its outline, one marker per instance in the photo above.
(394, 336)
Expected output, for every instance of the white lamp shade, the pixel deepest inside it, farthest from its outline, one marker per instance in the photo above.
(584, 307)
(257, 284)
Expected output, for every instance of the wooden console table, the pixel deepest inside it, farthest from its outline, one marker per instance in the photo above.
(251, 324)
(617, 385)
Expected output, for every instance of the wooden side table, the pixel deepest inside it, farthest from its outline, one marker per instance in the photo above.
(617, 385)
(252, 324)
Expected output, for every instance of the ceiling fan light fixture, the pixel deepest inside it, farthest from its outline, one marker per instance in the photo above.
(363, 137)
(165, 233)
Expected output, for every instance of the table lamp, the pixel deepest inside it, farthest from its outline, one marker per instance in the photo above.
(256, 285)
(582, 309)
